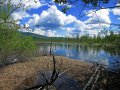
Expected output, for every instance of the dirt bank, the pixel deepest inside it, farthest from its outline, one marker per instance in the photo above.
(22, 74)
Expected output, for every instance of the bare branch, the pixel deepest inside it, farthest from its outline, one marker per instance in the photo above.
(54, 76)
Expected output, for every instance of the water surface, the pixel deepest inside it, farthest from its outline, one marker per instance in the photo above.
(106, 55)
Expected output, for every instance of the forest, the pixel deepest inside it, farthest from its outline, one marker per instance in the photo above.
(112, 39)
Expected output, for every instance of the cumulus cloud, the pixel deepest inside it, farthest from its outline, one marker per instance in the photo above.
(52, 22)
(48, 33)
(52, 18)
(20, 15)
(100, 16)
(34, 20)
(28, 3)
(39, 31)
(69, 28)
(97, 21)
(116, 11)
(51, 33)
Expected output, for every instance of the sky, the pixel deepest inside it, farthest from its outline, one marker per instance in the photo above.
(44, 17)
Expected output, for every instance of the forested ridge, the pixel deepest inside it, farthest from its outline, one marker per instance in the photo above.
(112, 39)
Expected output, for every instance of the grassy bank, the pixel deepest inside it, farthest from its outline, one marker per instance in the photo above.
(15, 76)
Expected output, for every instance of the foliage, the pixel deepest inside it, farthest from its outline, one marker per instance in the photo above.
(13, 45)
(112, 39)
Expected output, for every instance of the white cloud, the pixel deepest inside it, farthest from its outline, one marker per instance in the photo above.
(100, 16)
(34, 20)
(39, 31)
(52, 18)
(69, 29)
(118, 18)
(52, 22)
(19, 15)
(28, 3)
(52, 15)
(51, 33)
(116, 11)
(97, 21)
(33, 4)
(48, 33)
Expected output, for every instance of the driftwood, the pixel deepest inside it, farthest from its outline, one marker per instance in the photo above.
(96, 79)
(93, 81)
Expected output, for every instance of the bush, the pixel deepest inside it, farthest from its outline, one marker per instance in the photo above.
(13, 45)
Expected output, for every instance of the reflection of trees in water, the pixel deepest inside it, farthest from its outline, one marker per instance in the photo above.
(43, 50)
(91, 49)
(114, 62)
(96, 49)
(112, 50)
(84, 52)
(78, 48)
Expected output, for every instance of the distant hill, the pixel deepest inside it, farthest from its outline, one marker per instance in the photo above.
(42, 38)
(33, 35)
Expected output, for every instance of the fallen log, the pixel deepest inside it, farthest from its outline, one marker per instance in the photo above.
(94, 78)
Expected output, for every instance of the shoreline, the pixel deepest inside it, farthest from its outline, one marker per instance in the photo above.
(90, 44)
(23, 73)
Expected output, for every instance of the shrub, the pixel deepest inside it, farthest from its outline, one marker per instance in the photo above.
(13, 45)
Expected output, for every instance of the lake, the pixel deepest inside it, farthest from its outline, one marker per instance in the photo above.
(106, 55)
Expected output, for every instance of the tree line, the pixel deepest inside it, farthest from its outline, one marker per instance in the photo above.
(111, 39)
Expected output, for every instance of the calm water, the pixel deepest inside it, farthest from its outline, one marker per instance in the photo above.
(104, 55)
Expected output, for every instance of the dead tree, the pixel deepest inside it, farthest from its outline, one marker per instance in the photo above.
(54, 76)
(51, 50)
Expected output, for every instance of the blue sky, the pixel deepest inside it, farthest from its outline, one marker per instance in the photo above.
(46, 18)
